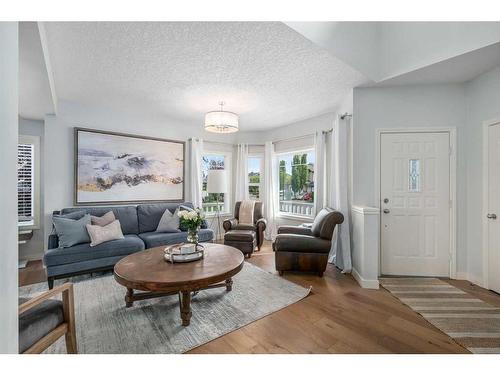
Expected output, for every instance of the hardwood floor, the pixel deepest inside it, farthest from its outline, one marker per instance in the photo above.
(338, 317)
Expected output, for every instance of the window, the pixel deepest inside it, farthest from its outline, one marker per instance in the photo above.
(255, 177)
(213, 202)
(296, 183)
(28, 183)
(414, 175)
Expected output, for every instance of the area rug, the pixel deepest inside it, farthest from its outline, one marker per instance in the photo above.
(104, 325)
(471, 322)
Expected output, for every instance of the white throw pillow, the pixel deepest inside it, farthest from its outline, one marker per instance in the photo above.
(103, 220)
(169, 222)
(98, 234)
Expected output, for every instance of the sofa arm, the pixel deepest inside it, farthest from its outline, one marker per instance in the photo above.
(228, 224)
(301, 244)
(291, 229)
(53, 241)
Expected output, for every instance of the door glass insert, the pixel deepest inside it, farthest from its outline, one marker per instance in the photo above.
(414, 175)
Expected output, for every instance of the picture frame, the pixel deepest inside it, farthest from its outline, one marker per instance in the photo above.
(119, 168)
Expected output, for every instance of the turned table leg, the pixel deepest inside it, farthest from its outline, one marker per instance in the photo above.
(129, 298)
(185, 305)
(229, 284)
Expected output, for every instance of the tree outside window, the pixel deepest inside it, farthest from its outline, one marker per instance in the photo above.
(254, 177)
(296, 182)
(209, 200)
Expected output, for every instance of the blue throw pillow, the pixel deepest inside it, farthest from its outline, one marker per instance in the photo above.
(75, 215)
(71, 232)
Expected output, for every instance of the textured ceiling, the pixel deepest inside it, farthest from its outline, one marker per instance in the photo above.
(265, 71)
(35, 100)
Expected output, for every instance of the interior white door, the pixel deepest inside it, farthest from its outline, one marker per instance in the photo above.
(494, 207)
(415, 204)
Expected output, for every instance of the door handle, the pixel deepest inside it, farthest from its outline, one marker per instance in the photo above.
(491, 216)
(386, 211)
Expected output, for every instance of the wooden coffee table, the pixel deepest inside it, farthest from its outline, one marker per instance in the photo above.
(148, 272)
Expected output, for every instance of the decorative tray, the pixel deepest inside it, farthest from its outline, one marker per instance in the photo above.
(183, 253)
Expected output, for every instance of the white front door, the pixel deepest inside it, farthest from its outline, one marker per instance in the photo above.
(415, 204)
(494, 207)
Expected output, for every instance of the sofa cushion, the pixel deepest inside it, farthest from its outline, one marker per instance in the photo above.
(149, 215)
(38, 321)
(78, 253)
(127, 215)
(71, 232)
(153, 239)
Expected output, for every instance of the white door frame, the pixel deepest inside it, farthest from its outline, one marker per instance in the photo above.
(486, 128)
(452, 132)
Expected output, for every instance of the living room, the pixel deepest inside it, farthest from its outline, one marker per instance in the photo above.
(250, 187)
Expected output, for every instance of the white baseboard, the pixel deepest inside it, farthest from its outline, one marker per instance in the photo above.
(367, 284)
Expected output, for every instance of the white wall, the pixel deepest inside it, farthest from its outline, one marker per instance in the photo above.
(406, 46)
(355, 43)
(408, 107)
(8, 160)
(483, 104)
(33, 249)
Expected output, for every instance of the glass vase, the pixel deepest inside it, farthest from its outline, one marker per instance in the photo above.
(192, 236)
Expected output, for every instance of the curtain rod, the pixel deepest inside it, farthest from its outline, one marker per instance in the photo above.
(225, 143)
(302, 136)
(262, 144)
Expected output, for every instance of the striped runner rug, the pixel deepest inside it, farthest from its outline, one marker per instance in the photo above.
(471, 322)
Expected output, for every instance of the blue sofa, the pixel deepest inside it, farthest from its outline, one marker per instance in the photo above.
(138, 225)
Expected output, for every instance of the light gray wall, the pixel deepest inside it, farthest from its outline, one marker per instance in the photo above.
(408, 107)
(483, 104)
(33, 249)
(8, 197)
(406, 46)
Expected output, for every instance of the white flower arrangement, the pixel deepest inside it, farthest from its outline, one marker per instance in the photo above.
(191, 219)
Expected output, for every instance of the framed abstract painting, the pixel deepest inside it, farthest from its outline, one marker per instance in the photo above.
(115, 168)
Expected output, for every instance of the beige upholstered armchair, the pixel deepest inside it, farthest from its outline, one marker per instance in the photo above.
(259, 225)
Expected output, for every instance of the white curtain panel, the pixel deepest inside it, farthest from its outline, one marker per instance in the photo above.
(270, 191)
(340, 253)
(241, 183)
(320, 194)
(195, 171)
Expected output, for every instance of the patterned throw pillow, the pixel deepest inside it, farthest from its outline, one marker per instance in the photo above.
(103, 220)
(169, 222)
(98, 234)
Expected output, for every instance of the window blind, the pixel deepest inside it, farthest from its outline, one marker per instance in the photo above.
(25, 185)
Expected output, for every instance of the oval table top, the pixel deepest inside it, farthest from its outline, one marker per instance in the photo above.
(148, 270)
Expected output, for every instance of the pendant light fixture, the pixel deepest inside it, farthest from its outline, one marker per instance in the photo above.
(221, 121)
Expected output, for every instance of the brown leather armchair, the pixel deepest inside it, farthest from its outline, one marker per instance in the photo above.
(259, 225)
(306, 249)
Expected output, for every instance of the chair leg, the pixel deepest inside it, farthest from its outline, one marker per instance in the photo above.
(71, 342)
(69, 317)
(50, 281)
